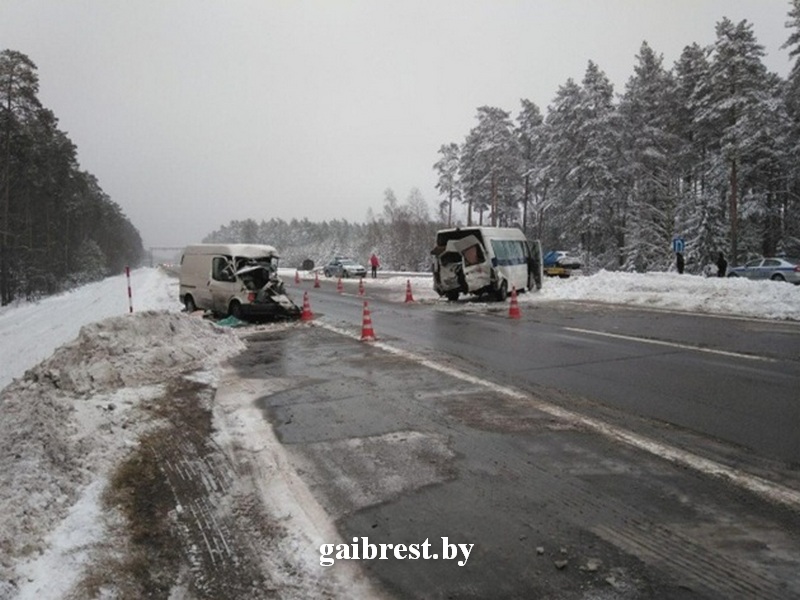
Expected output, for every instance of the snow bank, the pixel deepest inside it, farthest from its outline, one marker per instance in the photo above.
(690, 293)
(29, 332)
(70, 418)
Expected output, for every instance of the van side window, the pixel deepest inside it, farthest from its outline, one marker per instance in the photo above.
(221, 269)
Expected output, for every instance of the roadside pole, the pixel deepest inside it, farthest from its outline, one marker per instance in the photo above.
(130, 296)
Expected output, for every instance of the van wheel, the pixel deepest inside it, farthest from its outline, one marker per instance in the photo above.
(188, 302)
(235, 310)
(502, 292)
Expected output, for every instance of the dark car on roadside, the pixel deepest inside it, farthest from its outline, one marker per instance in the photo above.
(344, 267)
(774, 269)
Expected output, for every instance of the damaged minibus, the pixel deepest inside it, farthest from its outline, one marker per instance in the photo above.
(239, 280)
(485, 260)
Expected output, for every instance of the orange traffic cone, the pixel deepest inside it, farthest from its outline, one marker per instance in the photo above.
(361, 287)
(306, 314)
(513, 309)
(340, 286)
(409, 297)
(296, 276)
(367, 334)
(316, 279)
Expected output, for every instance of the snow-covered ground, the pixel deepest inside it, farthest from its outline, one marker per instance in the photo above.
(77, 370)
(29, 332)
(669, 291)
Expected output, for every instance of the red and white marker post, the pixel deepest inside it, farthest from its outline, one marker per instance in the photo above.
(130, 296)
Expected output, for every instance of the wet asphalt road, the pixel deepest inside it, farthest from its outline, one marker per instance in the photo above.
(729, 379)
(398, 453)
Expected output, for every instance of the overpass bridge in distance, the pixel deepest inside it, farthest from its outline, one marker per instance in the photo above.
(162, 252)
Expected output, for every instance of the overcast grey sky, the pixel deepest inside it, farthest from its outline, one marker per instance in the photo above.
(192, 113)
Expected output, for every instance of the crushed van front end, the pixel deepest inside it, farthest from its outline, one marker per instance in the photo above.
(263, 296)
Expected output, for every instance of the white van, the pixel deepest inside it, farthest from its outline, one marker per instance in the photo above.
(240, 280)
(485, 260)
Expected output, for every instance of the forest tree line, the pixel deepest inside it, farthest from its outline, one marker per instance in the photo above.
(57, 226)
(707, 150)
(401, 235)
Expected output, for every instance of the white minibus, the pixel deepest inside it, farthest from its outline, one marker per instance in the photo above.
(485, 260)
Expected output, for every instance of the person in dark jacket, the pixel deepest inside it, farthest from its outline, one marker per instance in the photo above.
(722, 265)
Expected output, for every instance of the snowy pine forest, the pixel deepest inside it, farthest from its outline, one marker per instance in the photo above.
(707, 150)
(58, 228)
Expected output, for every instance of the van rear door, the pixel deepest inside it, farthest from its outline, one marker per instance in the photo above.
(476, 265)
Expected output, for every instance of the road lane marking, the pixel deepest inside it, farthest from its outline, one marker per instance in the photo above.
(758, 485)
(631, 338)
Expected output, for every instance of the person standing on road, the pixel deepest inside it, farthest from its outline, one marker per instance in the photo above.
(722, 265)
(374, 263)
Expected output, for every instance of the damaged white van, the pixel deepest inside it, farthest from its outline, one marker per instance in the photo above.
(485, 260)
(239, 280)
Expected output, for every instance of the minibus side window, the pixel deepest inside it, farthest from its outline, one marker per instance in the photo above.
(509, 252)
(502, 251)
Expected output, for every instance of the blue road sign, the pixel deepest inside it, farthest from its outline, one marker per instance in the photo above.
(678, 245)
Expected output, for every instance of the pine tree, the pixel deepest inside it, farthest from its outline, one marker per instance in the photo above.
(644, 228)
(793, 44)
(529, 132)
(448, 184)
(490, 166)
(790, 201)
(561, 137)
(731, 97)
(766, 135)
(593, 162)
